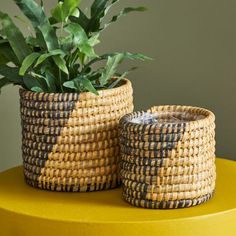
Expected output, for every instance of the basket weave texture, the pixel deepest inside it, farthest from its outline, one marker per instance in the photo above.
(168, 157)
(70, 141)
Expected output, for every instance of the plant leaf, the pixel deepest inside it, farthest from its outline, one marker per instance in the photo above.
(3, 59)
(110, 68)
(76, 13)
(64, 9)
(58, 12)
(136, 56)
(32, 41)
(31, 82)
(78, 32)
(49, 36)
(97, 12)
(6, 51)
(40, 22)
(100, 58)
(52, 20)
(32, 10)
(127, 55)
(93, 41)
(87, 50)
(28, 62)
(50, 80)
(43, 57)
(88, 85)
(40, 39)
(70, 84)
(80, 39)
(94, 76)
(11, 73)
(114, 84)
(82, 20)
(15, 37)
(48, 83)
(60, 63)
(70, 6)
(52, 54)
(99, 9)
(67, 44)
(37, 89)
(81, 83)
(124, 12)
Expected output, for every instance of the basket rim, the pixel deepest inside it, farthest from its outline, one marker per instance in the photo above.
(75, 96)
(127, 124)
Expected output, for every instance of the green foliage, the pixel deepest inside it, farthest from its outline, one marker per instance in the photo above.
(14, 37)
(59, 56)
(65, 9)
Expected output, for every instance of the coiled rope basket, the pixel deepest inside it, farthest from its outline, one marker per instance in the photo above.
(70, 140)
(168, 157)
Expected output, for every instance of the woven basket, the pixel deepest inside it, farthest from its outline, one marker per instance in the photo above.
(168, 157)
(70, 141)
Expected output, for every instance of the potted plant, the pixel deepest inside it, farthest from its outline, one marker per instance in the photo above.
(69, 108)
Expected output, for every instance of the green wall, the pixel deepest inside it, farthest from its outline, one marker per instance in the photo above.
(193, 43)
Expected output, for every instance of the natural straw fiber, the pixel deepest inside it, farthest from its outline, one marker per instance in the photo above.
(93, 137)
(170, 204)
(155, 191)
(79, 156)
(168, 157)
(165, 171)
(71, 148)
(70, 141)
(170, 136)
(171, 179)
(165, 162)
(86, 184)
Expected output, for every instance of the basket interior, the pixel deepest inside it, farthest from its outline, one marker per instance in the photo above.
(167, 117)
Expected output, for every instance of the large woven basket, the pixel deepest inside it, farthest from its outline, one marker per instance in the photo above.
(168, 157)
(70, 141)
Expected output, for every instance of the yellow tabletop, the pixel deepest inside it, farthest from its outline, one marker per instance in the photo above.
(26, 211)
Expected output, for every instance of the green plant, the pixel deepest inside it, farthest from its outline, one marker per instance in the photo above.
(59, 56)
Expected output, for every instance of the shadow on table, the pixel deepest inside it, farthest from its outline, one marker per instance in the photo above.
(15, 185)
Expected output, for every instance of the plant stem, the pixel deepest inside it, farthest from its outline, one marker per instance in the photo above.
(61, 85)
(74, 59)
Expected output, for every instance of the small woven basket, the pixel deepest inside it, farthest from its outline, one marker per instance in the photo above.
(70, 141)
(168, 157)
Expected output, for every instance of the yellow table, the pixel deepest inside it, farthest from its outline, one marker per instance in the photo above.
(27, 211)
